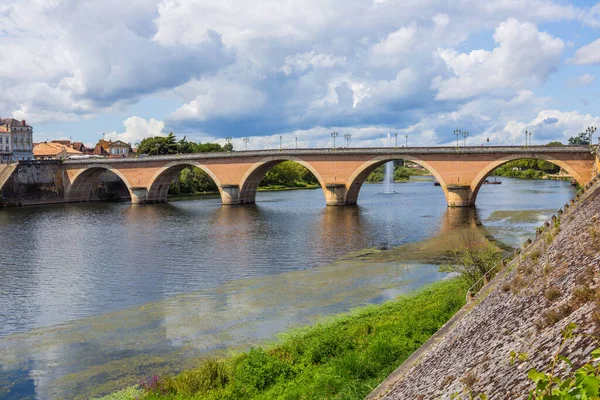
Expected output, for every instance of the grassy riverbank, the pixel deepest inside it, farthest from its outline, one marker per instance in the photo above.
(343, 357)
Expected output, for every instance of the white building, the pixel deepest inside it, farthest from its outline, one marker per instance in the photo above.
(5, 145)
(21, 138)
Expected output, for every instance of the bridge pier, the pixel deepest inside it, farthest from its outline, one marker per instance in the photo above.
(459, 195)
(335, 194)
(139, 194)
(230, 195)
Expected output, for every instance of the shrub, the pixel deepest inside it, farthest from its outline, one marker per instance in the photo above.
(552, 293)
(583, 294)
(258, 370)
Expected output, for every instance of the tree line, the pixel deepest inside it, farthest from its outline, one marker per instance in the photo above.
(163, 145)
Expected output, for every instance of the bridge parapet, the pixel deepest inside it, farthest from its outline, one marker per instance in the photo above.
(340, 172)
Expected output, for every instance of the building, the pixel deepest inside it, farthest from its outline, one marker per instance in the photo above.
(54, 151)
(5, 145)
(117, 148)
(21, 138)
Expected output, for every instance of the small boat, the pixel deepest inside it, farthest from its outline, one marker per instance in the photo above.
(436, 183)
(494, 182)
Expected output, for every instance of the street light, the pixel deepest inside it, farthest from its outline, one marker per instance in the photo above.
(590, 131)
(465, 134)
(396, 137)
(246, 140)
(530, 134)
(296, 142)
(347, 136)
(334, 135)
(280, 142)
(406, 139)
(457, 133)
(488, 141)
(526, 135)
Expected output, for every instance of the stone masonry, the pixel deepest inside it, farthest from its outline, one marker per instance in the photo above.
(553, 282)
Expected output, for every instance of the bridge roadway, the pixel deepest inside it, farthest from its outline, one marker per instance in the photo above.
(341, 172)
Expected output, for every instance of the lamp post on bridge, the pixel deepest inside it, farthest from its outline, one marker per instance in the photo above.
(246, 140)
(530, 135)
(590, 131)
(396, 138)
(406, 140)
(526, 135)
(347, 136)
(334, 135)
(457, 133)
(280, 142)
(465, 134)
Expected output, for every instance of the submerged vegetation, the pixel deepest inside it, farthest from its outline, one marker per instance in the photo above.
(345, 357)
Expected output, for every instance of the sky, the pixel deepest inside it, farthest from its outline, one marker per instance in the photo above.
(301, 69)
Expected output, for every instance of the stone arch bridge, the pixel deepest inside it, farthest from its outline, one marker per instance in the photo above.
(340, 172)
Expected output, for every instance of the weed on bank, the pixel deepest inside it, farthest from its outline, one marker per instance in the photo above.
(344, 358)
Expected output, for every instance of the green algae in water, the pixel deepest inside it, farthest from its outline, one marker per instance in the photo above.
(520, 216)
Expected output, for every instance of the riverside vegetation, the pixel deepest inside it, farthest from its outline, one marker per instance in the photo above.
(344, 357)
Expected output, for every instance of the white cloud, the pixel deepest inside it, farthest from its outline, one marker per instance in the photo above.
(551, 125)
(65, 60)
(304, 61)
(524, 58)
(136, 129)
(225, 67)
(395, 47)
(582, 81)
(219, 98)
(588, 54)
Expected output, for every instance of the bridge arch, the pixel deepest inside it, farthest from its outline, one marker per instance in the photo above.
(359, 176)
(84, 180)
(158, 187)
(484, 173)
(256, 173)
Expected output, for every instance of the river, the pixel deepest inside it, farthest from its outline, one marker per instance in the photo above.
(94, 297)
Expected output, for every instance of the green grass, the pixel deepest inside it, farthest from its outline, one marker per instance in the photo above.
(343, 358)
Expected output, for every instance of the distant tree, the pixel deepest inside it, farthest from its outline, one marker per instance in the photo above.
(228, 147)
(208, 148)
(185, 147)
(555, 144)
(582, 139)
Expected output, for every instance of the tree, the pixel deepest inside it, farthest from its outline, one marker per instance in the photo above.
(582, 139)
(555, 144)
(208, 148)
(474, 259)
(228, 147)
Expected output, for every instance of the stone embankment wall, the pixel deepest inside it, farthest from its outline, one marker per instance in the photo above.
(45, 182)
(554, 281)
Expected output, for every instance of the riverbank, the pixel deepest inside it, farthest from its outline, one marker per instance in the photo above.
(536, 320)
(274, 188)
(343, 356)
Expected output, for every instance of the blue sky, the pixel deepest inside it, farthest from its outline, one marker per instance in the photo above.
(301, 68)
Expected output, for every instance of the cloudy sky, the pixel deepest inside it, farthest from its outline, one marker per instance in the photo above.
(301, 68)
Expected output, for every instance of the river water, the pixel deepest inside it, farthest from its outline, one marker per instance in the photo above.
(94, 297)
